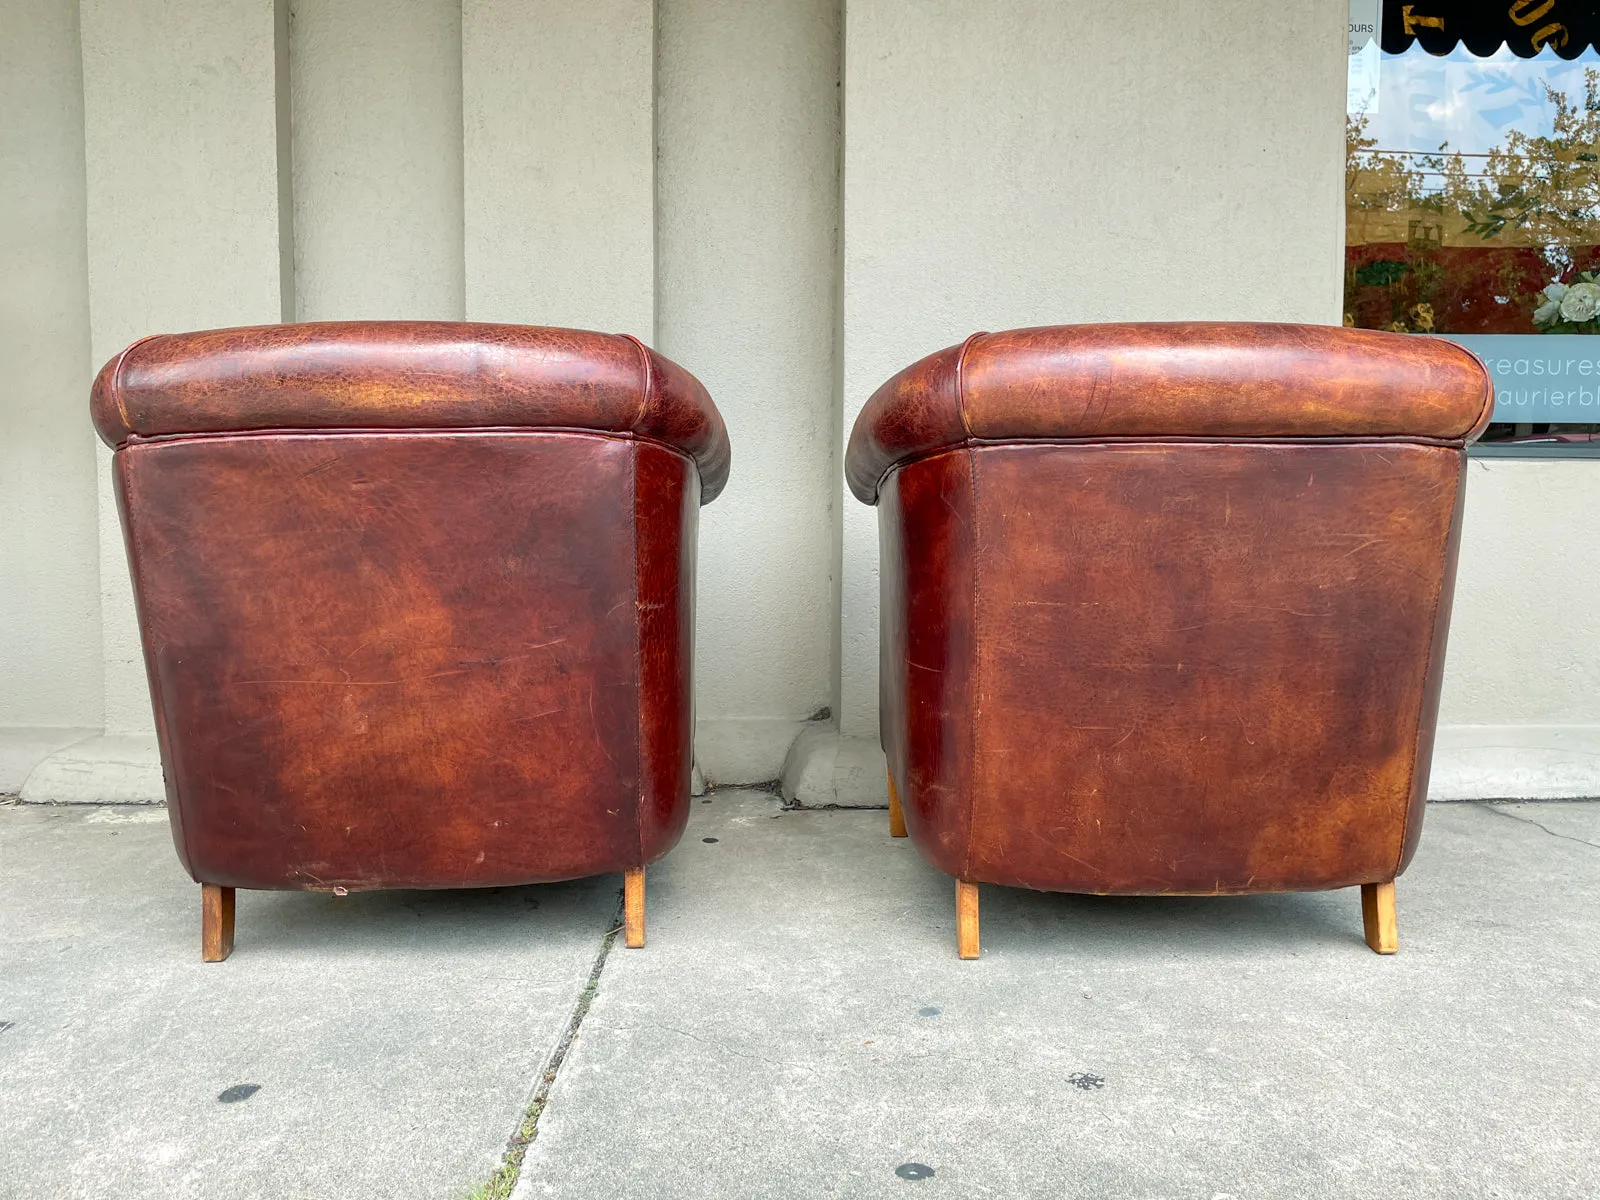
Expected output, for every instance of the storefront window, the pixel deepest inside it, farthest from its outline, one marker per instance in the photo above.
(1472, 196)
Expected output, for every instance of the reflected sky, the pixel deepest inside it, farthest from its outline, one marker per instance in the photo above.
(1459, 101)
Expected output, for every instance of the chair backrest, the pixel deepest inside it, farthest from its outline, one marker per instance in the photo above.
(416, 599)
(1169, 600)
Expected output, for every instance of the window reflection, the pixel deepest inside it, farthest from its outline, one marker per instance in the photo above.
(1473, 196)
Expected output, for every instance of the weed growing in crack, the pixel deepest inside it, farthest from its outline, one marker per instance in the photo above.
(504, 1180)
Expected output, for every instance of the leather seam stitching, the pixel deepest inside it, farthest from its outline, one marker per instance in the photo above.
(973, 682)
(1427, 666)
(1166, 439)
(647, 383)
(136, 556)
(1486, 404)
(1486, 409)
(117, 393)
(216, 435)
(1265, 439)
(961, 386)
(977, 641)
(639, 750)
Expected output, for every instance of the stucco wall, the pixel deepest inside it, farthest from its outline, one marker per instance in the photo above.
(49, 569)
(1525, 628)
(559, 132)
(1032, 163)
(684, 171)
(1520, 711)
(747, 215)
(181, 133)
(376, 118)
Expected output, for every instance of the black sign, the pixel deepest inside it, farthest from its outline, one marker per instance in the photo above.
(1483, 26)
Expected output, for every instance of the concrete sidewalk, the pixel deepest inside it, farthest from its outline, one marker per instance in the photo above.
(799, 1025)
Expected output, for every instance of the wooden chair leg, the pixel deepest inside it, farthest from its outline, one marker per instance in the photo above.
(966, 919)
(1377, 917)
(216, 922)
(897, 818)
(633, 908)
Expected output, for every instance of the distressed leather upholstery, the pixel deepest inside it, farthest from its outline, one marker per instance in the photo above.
(1164, 606)
(416, 599)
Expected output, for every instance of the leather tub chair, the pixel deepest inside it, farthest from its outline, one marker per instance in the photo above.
(1164, 606)
(416, 600)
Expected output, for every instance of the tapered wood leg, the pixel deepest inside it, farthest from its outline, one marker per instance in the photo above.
(1377, 917)
(897, 819)
(966, 919)
(216, 922)
(633, 908)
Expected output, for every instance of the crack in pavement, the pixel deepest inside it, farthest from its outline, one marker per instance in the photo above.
(1566, 837)
(503, 1182)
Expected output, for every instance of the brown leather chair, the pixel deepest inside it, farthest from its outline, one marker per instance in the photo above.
(417, 600)
(1164, 606)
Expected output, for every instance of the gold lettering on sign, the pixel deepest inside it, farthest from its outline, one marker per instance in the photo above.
(1519, 14)
(1542, 36)
(1411, 23)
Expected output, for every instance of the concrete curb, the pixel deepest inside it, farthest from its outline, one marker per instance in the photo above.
(1515, 762)
(99, 770)
(825, 768)
(22, 750)
(743, 751)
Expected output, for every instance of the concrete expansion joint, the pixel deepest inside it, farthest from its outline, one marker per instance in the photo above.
(770, 786)
(1489, 806)
(801, 806)
(504, 1183)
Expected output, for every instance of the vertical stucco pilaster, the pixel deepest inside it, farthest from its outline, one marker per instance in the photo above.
(1033, 163)
(49, 546)
(376, 92)
(747, 227)
(558, 120)
(182, 129)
